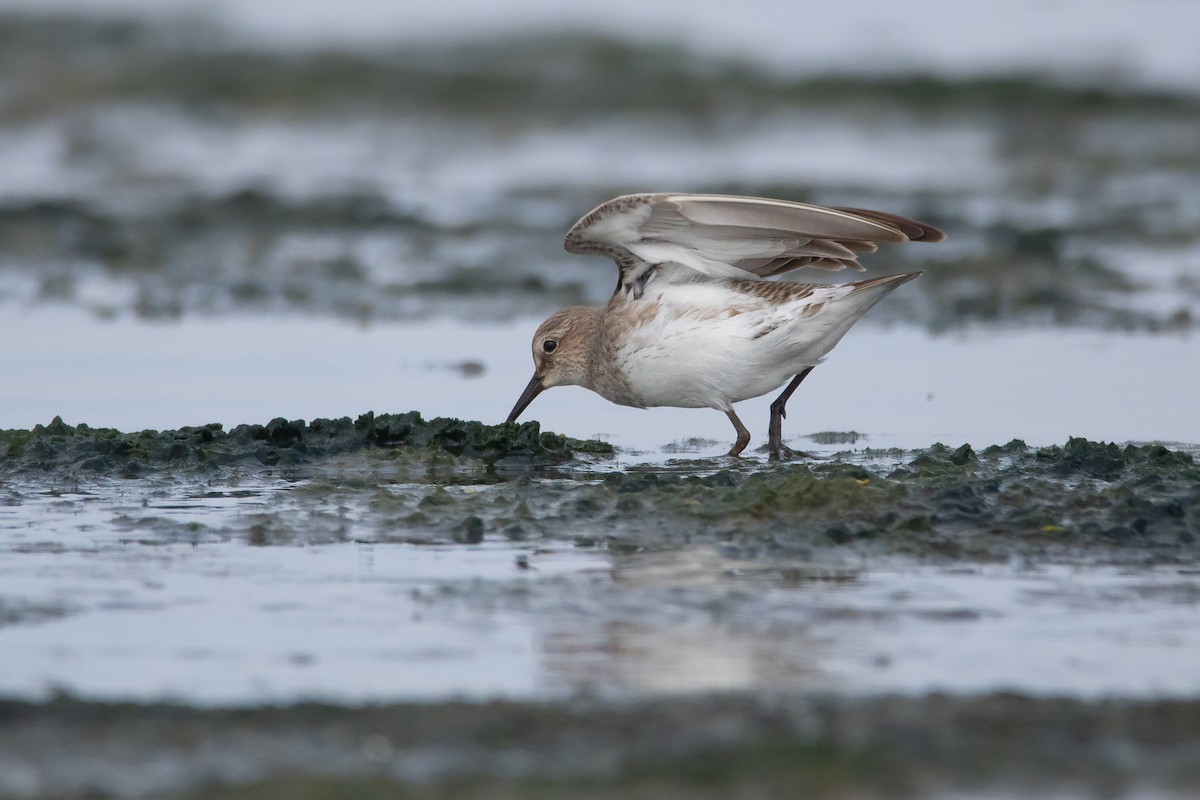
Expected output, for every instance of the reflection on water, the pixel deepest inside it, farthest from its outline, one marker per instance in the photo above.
(716, 625)
(631, 656)
(97, 605)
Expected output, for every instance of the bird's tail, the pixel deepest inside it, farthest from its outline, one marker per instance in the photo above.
(834, 317)
(878, 288)
(865, 294)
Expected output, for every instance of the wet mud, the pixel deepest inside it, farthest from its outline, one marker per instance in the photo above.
(723, 746)
(449, 480)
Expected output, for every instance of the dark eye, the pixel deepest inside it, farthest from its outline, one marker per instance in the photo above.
(549, 345)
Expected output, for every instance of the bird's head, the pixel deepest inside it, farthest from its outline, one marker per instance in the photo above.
(562, 349)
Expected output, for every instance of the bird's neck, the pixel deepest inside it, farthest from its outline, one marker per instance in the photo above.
(604, 374)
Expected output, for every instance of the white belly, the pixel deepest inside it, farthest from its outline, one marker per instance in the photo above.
(705, 363)
(708, 347)
(702, 388)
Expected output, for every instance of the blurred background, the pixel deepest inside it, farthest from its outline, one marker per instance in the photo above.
(231, 211)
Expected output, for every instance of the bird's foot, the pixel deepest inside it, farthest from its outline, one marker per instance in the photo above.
(785, 453)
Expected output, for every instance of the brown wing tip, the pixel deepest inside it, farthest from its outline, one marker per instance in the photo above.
(928, 234)
(893, 280)
(914, 230)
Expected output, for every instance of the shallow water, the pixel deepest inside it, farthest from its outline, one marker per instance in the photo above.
(103, 613)
(893, 386)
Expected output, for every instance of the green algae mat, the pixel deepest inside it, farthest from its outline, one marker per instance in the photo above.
(1080, 500)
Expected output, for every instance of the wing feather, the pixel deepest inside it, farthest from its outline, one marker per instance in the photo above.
(728, 235)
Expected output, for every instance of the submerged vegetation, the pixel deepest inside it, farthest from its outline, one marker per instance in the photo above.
(1132, 503)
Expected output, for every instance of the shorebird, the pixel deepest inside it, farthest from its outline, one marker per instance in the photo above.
(693, 322)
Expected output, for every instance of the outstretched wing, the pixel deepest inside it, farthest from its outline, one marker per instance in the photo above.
(721, 235)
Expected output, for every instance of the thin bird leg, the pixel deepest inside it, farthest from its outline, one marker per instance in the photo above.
(743, 437)
(778, 412)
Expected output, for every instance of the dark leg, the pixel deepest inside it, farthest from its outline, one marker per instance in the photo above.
(778, 412)
(743, 434)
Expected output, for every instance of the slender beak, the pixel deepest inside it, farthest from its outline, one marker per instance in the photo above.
(531, 391)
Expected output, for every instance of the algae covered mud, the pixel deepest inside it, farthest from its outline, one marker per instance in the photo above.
(399, 477)
(234, 252)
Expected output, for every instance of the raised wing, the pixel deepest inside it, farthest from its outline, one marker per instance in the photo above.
(723, 235)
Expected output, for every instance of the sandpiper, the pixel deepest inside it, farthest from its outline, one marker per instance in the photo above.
(693, 322)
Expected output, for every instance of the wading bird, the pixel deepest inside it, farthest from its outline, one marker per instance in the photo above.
(694, 322)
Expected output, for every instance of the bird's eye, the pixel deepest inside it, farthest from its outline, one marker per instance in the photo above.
(549, 345)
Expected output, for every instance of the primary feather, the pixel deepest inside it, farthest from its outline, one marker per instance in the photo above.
(721, 236)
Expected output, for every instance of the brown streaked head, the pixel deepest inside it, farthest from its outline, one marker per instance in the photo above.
(561, 350)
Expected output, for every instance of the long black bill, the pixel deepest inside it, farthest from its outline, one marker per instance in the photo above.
(531, 391)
